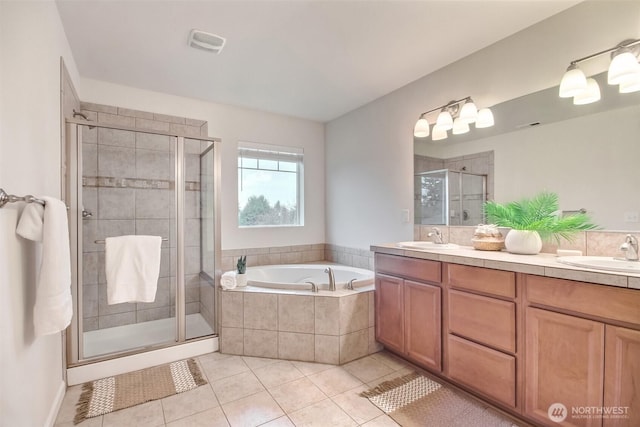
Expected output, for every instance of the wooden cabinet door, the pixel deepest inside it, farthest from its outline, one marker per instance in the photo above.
(564, 363)
(622, 377)
(389, 312)
(423, 324)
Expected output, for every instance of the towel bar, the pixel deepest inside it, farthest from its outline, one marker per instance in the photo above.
(101, 242)
(10, 198)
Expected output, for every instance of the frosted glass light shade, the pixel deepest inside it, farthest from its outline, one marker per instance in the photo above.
(468, 113)
(438, 133)
(445, 121)
(630, 85)
(624, 66)
(460, 126)
(421, 129)
(591, 94)
(485, 118)
(573, 82)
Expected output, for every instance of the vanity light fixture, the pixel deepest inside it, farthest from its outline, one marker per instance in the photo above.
(589, 95)
(455, 116)
(485, 118)
(624, 71)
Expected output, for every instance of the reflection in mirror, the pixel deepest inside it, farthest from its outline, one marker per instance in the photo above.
(588, 154)
(448, 197)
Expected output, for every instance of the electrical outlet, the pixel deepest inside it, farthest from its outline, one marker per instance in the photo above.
(631, 217)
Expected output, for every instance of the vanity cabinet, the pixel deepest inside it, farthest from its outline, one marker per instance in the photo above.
(520, 341)
(389, 309)
(622, 373)
(481, 348)
(408, 308)
(582, 350)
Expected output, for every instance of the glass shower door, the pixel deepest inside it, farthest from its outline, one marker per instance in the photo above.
(474, 194)
(430, 198)
(128, 188)
(199, 237)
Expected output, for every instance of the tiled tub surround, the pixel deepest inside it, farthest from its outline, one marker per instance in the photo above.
(128, 185)
(297, 254)
(325, 327)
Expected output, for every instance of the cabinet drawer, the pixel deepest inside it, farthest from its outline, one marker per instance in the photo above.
(411, 268)
(494, 282)
(488, 371)
(601, 301)
(486, 320)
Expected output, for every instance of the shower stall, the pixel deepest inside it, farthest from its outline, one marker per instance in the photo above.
(446, 197)
(130, 181)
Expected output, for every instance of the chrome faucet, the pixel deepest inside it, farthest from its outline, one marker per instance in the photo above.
(350, 284)
(630, 248)
(332, 278)
(314, 287)
(436, 234)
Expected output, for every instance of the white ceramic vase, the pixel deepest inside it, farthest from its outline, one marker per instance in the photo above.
(523, 242)
(241, 280)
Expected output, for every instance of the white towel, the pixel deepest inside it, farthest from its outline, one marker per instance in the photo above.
(54, 308)
(132, 265)
(228, 280)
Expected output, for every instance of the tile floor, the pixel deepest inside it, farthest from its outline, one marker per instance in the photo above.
(251, 391)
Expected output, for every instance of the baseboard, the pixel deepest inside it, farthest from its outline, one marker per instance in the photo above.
(56, 405)
(93, 371)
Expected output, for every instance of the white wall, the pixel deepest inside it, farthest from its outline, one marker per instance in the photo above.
(233, 124)
(31, 43)
(369, 151)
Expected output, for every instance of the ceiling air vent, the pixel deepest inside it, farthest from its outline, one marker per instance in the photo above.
(206, 41)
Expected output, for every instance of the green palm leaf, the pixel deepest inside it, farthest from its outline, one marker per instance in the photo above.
(538, 214)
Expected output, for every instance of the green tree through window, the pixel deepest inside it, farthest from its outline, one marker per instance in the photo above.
(269, 185)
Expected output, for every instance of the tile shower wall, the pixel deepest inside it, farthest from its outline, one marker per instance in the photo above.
(128, 185)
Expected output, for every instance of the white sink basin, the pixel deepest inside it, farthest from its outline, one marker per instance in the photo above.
(602, 263)
(428, 246)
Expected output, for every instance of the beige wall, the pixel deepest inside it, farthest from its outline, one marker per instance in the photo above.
(31, 43)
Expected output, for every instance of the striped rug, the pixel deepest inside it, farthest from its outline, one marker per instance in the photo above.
(415, 400)
(123, 391)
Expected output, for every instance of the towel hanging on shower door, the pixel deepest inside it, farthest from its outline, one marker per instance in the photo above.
(132, 265)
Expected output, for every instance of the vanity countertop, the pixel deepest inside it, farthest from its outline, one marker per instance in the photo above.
(541, 264)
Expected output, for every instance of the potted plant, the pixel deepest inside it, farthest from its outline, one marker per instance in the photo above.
(533, 220)
(241, 265)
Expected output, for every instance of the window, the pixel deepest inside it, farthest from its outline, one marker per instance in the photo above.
(270, 182)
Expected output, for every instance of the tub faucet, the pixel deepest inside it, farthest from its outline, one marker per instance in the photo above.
(630, 248)
(332, 278)
(436, 234)
(314, 287)
(350, 284)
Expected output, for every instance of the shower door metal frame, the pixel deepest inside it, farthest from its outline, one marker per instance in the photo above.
(447, 201)
(460, 195)
(73, 183)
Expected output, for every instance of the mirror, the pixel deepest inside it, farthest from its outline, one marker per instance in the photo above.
(588, 154)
